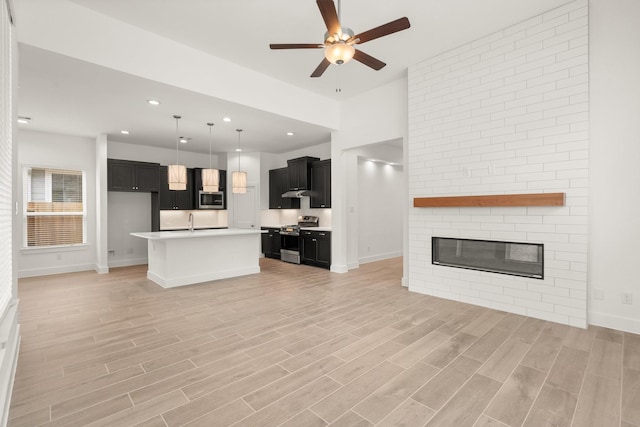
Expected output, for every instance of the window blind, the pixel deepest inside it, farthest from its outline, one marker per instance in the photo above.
(55, 212)
(6, 114)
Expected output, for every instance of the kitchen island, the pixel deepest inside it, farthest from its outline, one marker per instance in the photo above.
(178, 258)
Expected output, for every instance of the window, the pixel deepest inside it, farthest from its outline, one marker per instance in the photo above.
(54, 207)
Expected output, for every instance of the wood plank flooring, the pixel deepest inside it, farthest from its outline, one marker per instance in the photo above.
(299, 346)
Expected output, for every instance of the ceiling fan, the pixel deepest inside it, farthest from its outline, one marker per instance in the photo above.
(339, 41)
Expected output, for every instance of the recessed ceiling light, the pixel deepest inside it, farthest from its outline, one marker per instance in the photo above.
(124, 132)
(238, 149)
(24, 120)
(290, 134)
(226, 119)
(153, 102)
(183, 140)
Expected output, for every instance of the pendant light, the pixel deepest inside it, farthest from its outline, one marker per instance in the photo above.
(239, 178)
(210, 177)
(177, 172)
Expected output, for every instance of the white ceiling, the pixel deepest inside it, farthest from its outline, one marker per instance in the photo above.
(65, 95)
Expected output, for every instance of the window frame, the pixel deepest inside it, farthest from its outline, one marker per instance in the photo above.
(26, 183)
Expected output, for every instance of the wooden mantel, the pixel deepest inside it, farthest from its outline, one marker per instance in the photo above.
(494, 200)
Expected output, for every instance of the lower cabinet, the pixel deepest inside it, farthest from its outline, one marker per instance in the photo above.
(315, 248)
(271, 242)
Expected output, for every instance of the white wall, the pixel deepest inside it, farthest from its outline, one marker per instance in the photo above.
(380, 216)
(127, 213)
(164, 156)
(64, 152)
(614, 159)
(507, 113)
(379, 115)
(9, 313)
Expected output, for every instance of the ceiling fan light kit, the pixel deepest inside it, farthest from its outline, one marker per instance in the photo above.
(339, 53)
(339, 41)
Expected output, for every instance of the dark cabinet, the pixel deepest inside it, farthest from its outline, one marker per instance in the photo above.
(271, 242)
(126, 175)
(175, 200)
(300, 172)
(316, 248)
(278, 184)
(321, 184)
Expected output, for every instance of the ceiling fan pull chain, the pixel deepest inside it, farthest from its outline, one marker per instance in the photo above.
(338, 88)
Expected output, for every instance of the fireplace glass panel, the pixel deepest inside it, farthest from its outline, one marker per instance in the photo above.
(514, 258)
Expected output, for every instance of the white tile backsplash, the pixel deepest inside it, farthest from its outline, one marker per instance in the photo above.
(178, 220)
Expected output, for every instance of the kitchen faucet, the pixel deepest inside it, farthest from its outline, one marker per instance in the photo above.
(190, 221)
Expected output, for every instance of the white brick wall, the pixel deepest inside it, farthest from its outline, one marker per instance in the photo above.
(507, 113)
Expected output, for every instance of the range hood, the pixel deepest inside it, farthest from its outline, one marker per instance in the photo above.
(297, 194)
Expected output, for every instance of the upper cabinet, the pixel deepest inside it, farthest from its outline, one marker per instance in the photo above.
(321, 184)
(172, 199)
(126, 175)
(278, 184)
(300, 173)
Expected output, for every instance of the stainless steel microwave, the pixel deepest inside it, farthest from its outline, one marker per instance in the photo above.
(208, 200)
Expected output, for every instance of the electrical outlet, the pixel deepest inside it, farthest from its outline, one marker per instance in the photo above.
(598, 293)
(627, 298)
(112, 252)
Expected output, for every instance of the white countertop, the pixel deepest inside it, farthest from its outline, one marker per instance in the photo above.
(186, 234)
(301, 228)
(316, 228)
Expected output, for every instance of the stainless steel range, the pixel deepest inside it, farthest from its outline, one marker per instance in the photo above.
(290, 238)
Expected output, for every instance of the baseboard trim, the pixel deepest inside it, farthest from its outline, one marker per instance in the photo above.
(201, 278)
(55, 270)
(339, 268)
(128, 262)
(614, 322)
(101, 269)
(380, 257)
(10, 339)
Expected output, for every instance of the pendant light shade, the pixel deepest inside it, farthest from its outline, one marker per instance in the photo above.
(177, 173)
(177, 177)
(210, 177)
(239, 182)
(210, 180)
(239, 178)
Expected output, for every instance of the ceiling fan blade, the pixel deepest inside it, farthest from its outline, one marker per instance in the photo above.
(330, 16)
(368, 60)
(383, 30)
(321, 68)
(295, 46)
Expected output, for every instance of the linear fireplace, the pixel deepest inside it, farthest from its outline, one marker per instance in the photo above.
(517, 259)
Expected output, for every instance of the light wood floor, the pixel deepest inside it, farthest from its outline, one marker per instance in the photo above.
(299, 346)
